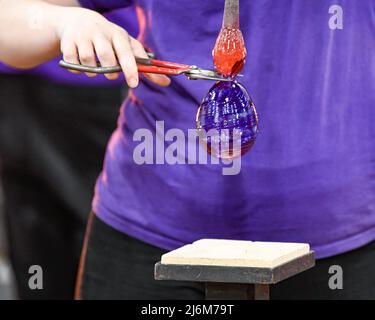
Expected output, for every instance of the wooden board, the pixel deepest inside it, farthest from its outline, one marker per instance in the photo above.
(236, 253)
(234, 274)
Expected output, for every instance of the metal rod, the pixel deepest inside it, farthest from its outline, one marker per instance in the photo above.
(231, 18)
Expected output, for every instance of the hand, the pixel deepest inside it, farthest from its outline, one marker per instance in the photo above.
(85, 35)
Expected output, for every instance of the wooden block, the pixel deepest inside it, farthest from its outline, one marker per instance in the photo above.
(236, 253)
(233, 274)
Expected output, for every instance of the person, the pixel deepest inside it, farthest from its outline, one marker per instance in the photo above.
(51, 152)
(309, 177)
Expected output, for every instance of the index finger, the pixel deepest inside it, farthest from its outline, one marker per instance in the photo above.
(125, 57)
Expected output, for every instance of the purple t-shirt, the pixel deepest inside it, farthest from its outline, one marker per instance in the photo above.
(125, 18)
(310, 176)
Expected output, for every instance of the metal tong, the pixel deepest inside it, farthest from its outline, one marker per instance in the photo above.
(150, 65)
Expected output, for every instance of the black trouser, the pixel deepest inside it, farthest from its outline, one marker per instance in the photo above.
(116, 266)
(52, 143)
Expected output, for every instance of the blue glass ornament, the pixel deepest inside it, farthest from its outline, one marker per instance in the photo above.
(227, 121)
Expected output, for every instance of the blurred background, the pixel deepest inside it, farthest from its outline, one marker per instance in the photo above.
(54, 127)
(7, 285)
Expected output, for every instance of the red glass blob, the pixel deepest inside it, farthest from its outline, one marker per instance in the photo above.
(229, 52)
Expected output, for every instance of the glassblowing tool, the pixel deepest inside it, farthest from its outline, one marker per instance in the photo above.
(149, 65)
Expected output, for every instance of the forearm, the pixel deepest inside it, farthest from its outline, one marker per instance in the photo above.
(34, 31)
(29, 31)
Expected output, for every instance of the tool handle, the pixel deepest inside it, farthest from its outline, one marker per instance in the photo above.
(83, 68)
(105, 70)
(161, 63)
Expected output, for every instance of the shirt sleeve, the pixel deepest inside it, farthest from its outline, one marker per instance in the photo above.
(105, 5)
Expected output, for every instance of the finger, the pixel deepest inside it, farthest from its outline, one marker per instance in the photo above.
(86, 55)
(70, 54)
(126, 58)
(139, 51)
(106, 56)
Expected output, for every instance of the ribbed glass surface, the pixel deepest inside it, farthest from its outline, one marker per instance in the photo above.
(227, 120)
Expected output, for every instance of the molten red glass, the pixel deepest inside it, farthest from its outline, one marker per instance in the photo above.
(229, 52)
